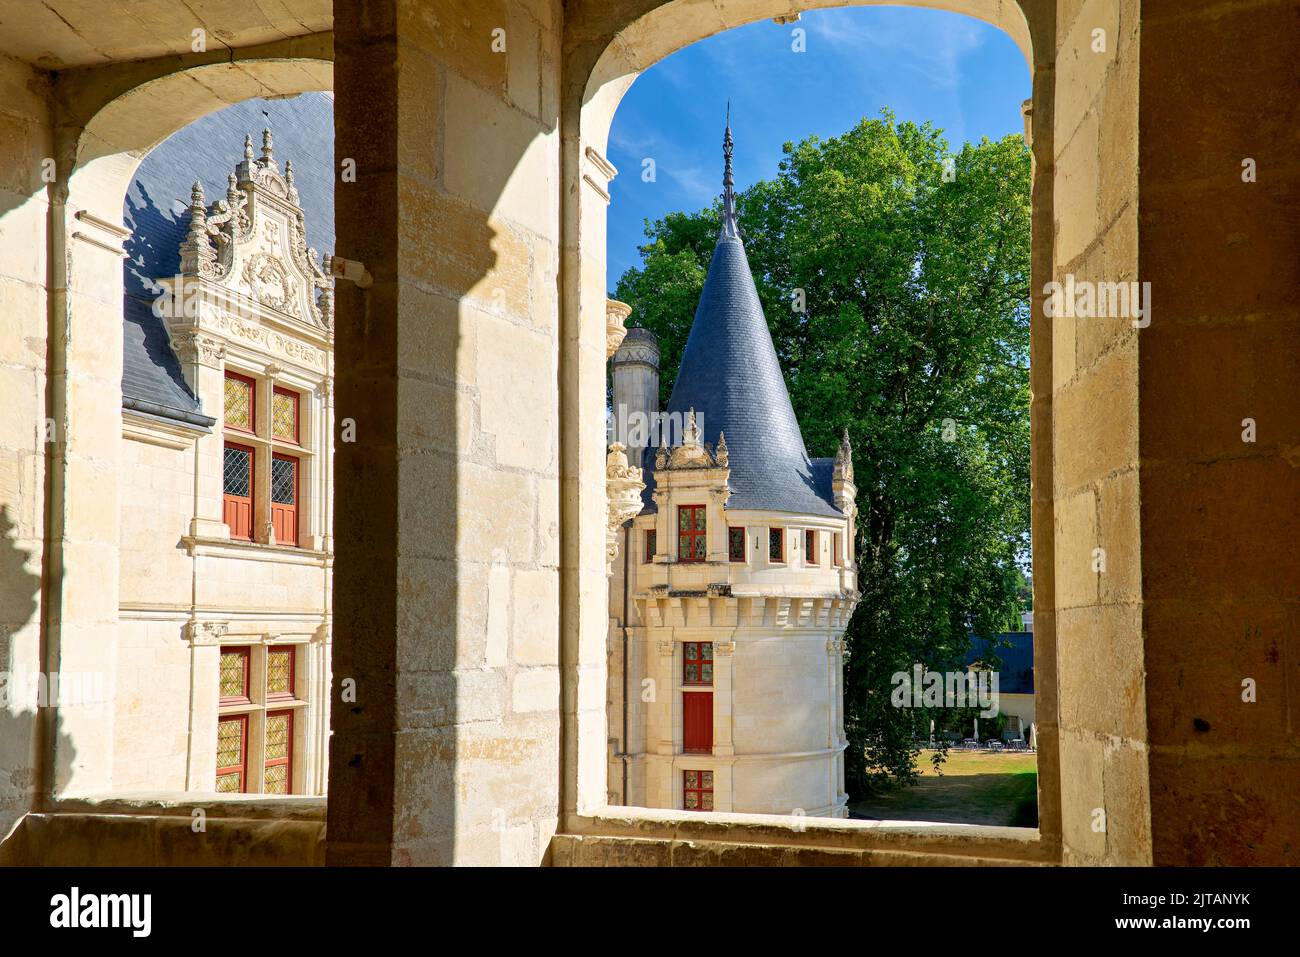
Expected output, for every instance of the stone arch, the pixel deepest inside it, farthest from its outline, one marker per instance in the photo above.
(108, 121)
(606, 48)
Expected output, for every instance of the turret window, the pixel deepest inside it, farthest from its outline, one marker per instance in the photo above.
(736, 544)
(692, 534)
(649, 554)
(837, 555)
(776, 546)
(697, 663)
(697, 790)
(810, 555)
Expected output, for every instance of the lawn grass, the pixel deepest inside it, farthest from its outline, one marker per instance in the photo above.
(974, 787)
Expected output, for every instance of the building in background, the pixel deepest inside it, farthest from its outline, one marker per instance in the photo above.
(222, 662)
(1014, 651)
(735, 582)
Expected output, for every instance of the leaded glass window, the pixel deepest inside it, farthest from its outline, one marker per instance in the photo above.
(279, 673)
(692, 536)
(284, 483)
(284, 415)
(234, 674)
(697, 790)
(279, 752)
(232, 741)
(776, 545)
(736, 544)
(237, 471)
(697, 663)
(239, 403)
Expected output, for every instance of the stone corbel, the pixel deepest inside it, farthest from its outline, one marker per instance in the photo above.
(196, 347)
(623, 486)
(205, 632)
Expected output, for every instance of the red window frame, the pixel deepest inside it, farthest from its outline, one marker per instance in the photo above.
(237, 510)
(287, 760)
(735, 537)
(692, 535)
(252, 404)
(810, 555)
(700, 790)
(242, 768)
(291, 651)
(650, 537)
(697, 722)
(780, 539)
(247, 653)
(699, 654)
(837, 542)
(284, 516)
(297, 405)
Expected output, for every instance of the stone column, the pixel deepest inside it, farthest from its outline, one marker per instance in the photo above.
(449, 365)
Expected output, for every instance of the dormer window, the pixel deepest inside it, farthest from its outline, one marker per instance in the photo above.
(692, 534)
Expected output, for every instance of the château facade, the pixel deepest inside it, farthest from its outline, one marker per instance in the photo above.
(736, 577)
(222, 663)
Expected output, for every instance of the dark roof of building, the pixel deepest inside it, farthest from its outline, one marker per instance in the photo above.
(639, 334)
(1016, 659)
(730, 376)
(157, 213)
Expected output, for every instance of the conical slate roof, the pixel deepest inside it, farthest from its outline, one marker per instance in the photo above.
(730, 376)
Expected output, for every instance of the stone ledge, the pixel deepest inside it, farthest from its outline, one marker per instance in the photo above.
(571, 850)
(954, 843)
(246, 807)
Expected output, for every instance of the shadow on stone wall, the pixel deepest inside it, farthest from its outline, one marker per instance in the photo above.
(19, 610)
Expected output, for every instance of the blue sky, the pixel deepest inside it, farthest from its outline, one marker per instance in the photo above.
(965, 76)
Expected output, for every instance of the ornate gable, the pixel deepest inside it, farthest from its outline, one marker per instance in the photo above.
(253, 243)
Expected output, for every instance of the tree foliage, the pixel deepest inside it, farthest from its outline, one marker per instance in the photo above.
(913, 334)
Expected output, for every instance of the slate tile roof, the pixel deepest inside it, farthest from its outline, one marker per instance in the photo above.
(730, 375)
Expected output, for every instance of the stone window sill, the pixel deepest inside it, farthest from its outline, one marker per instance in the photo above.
(257, 551)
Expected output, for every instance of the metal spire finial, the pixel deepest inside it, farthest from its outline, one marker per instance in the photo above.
(729, 230)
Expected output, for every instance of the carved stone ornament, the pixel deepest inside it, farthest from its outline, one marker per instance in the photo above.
(623, 487)
(205, 632)
(258, 229)
(691, 454)
(268, 281)
(616, 314)
(196, 347)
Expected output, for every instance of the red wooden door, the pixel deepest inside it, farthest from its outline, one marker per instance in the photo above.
(284, 499)
(697, 722)
(237, 491)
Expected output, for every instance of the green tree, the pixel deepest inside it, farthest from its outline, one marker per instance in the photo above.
(911, 265)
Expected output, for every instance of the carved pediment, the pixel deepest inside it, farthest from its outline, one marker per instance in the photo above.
(254, 241)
